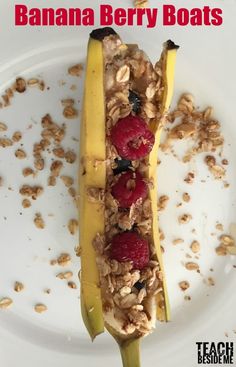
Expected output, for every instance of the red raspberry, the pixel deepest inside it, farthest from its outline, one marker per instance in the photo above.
(129, 246)
(132, 138)
(129, 188)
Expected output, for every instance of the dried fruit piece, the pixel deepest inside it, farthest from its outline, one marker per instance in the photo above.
(17, 136)
(184, 285)
(20, 85)
(56, 167)
(26, 203)
(20, 154)
(184, 218)
(192, 266)
(70, 156)
(129, 188)
(65, 275)
(195, 247)
(132, 138)
(27, 172)
(186, 197)
(129, 246)
(72, 285)
(64, 259)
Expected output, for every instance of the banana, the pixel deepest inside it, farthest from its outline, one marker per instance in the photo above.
(93, 174)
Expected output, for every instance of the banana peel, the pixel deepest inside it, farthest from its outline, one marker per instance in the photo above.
(93, 174)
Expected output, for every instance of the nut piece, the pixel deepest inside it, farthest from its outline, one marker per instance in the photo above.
(219, 226)
(64, 259)
(66, 275)
(186, 197)
(56, 167)
(70, 157)
(68, 181)
(26, 203)
(73, 226)
(38, 221)
(5, 303)
(20, 85)
(72, 285)
(76, 70)
(162, 202)
(191, 266)
(18, 287)
(184, 218)
(184, 285)
(40, 308)
(195, 247)
(20, 154)
(17, 136)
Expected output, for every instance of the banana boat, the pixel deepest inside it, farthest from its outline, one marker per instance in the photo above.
(126, 98)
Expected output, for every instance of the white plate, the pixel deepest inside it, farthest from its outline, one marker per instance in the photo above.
(206, 67)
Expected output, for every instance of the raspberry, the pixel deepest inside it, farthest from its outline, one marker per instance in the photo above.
(129, 188)
(132, 138)
(129, 246)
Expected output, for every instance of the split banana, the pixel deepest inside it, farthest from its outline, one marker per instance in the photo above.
(122, 84)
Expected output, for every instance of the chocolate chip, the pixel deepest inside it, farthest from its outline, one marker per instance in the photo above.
(100, 33)
(122, 165)
(139, 285)
(135, 101)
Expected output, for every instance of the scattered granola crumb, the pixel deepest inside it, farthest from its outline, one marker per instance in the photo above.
(191, 266)
(78, 250)
(184, 218)
(162, 202)
(187, 298)
(52, 181)
(177, 241)
(76, 70)
(217, 171)
(210, 160)
(225, 162)
(53, 262)
(26, 203)
(59, 152)
(184, 285)
(20, 154)
(64, 259)
(31, 191)
(39, 163)
(70, 112)
(38, 221)
(70, 156)
(226, 334)
(5, 142)
(3, 127)
(186, 197)
(226, 240)
(141, 3)
(1, 181)
(219, 226)
(47, 290)
(189, 178)
(27, 172)
(72, 285)
(211, 281)
(68, 181)
(72, 192)
(40, 308)
(56, 167)
(73, 226)
(65, 275)
(221, 250)
(20, 85)
(195, 247)
(5, 303)
(18, 287)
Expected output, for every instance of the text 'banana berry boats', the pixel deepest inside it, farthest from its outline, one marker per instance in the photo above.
(125, 102)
